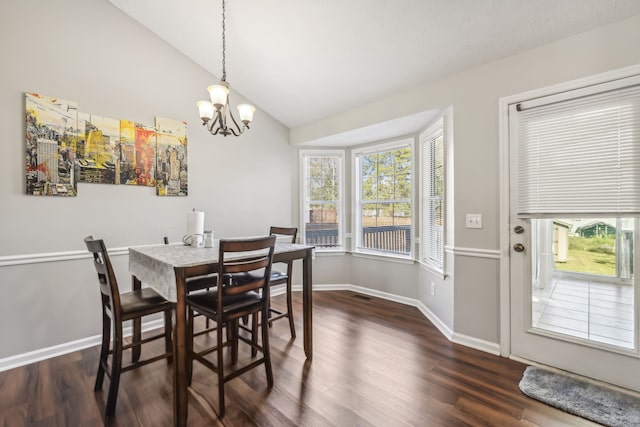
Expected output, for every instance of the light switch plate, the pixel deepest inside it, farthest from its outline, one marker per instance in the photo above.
(474, 220)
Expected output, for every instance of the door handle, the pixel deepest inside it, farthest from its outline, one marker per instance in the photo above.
(518, 247)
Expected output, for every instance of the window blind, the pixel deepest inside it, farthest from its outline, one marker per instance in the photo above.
(580, 154)
(433, 196)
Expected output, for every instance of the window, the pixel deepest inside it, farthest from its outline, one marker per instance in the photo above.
(602, 246)
(384, 199)
(432, 238)
(322, 195)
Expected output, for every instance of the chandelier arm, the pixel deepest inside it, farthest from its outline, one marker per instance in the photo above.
(209, 125)
(235, 123)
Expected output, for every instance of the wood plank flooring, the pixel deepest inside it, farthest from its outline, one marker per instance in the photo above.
(376, 363)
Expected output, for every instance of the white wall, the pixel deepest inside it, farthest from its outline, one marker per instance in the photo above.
(474, 96)
(88, 51)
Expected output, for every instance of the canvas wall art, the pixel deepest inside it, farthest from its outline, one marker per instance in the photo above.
(138, 145)
(171, 158)
(64, 147)
(98, 149)
(51, 137)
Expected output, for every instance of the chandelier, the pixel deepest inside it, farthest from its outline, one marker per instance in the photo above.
(215, 113)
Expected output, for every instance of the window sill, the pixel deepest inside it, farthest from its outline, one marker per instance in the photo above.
(330, 252)
(432, 269)
(380, 257)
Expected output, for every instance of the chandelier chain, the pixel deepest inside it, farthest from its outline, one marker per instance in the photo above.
(224, 45)
(214, 113)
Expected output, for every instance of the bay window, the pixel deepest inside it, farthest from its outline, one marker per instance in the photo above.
(322, 195)
(383, 190)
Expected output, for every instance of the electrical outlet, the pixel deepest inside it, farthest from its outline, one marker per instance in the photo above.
(474, 220)
(433, 289)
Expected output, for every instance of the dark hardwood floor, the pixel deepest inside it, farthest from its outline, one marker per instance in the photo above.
(376, 363)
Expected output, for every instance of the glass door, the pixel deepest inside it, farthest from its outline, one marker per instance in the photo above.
(582, 279)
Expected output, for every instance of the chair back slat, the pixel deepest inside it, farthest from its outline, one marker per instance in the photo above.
(284, 233)
(106, 277)
(252, 257)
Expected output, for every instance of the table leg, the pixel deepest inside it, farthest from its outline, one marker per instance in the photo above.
(307, 305)
(137, 325)
(180, 356)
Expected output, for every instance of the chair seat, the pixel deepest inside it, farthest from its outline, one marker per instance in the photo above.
(202, 282)
(276, 276)
(140, 301)
(207, 302)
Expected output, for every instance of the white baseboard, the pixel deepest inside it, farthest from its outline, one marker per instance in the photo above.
(68, 347)
(57, 350)
(478, 344)
(439, 324)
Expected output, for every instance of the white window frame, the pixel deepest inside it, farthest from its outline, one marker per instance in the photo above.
(340, 203)
(427, 137)
(357, 197)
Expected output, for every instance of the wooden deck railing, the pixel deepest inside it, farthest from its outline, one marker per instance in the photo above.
(395, 239)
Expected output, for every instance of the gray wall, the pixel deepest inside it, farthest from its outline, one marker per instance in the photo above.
(88, 51)
(473, 96)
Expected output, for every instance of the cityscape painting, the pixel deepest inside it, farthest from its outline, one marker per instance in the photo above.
(137, 154)
(98, 141)
(51, 137)
(171, 158)
(64, 147)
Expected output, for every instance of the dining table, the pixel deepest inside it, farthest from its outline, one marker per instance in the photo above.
(165, 268)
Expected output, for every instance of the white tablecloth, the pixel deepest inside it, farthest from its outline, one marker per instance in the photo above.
(154, 265)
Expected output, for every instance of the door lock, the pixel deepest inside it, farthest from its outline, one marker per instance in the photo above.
(518, 247)
(518, 229)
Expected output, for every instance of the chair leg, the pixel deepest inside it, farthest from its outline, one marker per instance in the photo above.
(254, 334)
(104, 350)
(220, 370)
(290, 309)
(234, 330)
(206, 323)
(168, 330)
(265, 346)
(189, 345)
(269, 305)
(116, 366)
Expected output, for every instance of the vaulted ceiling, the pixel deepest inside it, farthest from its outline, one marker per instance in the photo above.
(304, 60)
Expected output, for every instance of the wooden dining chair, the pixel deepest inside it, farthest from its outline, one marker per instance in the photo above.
(231, 301)
(279, 278)
(116, 309)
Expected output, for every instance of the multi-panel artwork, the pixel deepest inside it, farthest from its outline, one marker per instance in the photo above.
(171, 157)
(51, 136)
(65, 146)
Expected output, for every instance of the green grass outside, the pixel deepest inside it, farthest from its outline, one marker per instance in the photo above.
(594, 255)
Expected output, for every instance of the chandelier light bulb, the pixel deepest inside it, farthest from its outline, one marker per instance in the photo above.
(246, 113)
(218, 94)
(206, 110)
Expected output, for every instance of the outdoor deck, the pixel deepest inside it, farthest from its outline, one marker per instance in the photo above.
(596, 311)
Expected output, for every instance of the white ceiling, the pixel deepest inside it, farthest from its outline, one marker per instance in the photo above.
(303, 60)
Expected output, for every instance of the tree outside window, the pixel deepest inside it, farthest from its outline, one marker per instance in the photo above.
(322, 195)
(385, 200)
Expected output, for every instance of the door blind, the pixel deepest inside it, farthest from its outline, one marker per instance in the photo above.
(580, 154)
